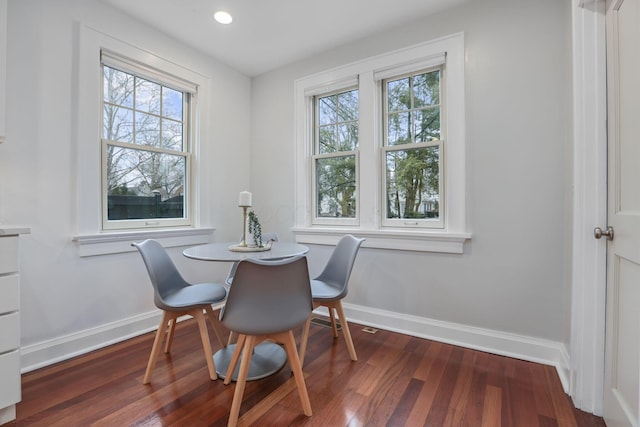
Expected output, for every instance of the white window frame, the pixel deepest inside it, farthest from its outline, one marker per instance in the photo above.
(368, 74)
(315, 156)
(386, 148)
(90, 238)
(190, 90)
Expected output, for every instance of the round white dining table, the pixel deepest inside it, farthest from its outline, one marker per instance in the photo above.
(268, 357)
(221, 252)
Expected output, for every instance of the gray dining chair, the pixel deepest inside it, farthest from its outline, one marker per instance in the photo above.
(330, 287)
(266, 237)
(176, 297)
(268, 300)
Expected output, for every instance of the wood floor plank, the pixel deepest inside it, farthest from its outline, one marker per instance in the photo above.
(460, 396)
(397, 380)
(543, 400)
(564, 409)
(521, 395)
(492, 413)
(476, 395)
(442, 401)
(430, 389)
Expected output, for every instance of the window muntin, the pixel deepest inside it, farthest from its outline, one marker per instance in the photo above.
(335, 156)
(144, 152)
(413, 149)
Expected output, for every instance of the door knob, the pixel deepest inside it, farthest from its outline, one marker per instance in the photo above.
(608, 233)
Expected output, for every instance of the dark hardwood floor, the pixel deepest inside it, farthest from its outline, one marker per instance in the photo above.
(398, 380)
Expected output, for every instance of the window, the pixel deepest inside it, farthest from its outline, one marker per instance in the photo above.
(380, 150)
(412, 146)
(336, 144)
(145, 148)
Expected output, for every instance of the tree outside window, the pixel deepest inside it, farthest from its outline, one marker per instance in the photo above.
(336, 139)
(413, 142)
(144, 152)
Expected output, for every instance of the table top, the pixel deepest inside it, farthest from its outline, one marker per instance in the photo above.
(221, 252)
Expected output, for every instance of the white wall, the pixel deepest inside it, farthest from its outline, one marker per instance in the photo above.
(71, 303)
(512, 283)
(514, 276)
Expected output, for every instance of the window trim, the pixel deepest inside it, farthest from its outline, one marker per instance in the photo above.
(89, 237)
(190, 90)
(433, 64)
(369, 72)
(316, 220)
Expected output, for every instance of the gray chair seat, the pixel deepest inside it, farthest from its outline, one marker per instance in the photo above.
(194, 295)
(325, 291)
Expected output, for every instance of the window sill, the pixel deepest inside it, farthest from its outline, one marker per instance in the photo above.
(403, 240)
(118, 242)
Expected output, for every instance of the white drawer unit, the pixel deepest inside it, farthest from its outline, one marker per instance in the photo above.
(10, 384)
(10, 379)
(10, 291)
(9, 340)
(8, 254)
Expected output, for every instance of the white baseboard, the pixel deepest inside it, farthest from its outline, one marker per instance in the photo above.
(517, 346)
(7, 414)
(58, 349)
(62, 348)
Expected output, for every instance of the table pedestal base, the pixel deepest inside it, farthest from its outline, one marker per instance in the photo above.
(268, 358)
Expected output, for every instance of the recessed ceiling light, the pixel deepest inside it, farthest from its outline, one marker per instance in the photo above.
(222, 17)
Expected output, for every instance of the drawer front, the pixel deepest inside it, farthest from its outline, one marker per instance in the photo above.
(9, 332)
(8, 254)
(9, 293)
(10, 392)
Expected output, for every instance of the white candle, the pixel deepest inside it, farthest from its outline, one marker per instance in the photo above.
(244, 199)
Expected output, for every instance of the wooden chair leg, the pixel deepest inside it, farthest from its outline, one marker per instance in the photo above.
(215, 325)
(305, 338)
(247, 352)
(170, 328)
(206, 344)
(289, 342)
(334, 325)
(157, 345)
(233, 338)
(345, 330)
(234, 359)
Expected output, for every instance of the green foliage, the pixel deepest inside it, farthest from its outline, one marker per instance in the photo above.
(336, 186)
(336, 174)
(413, 116)
(412, 177)
(122, 190)
(255, 228)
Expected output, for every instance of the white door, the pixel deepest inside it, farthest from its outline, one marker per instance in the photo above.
(622, 352)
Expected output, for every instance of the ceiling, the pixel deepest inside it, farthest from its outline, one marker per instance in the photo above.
(267, 34)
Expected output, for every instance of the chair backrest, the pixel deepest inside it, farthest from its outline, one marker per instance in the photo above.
(268, 296)
(266, 237)
(337, 271)
(163, 273)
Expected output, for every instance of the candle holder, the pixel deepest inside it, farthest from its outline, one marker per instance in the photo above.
(243, 243)
(242, 246)
(244, 201)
